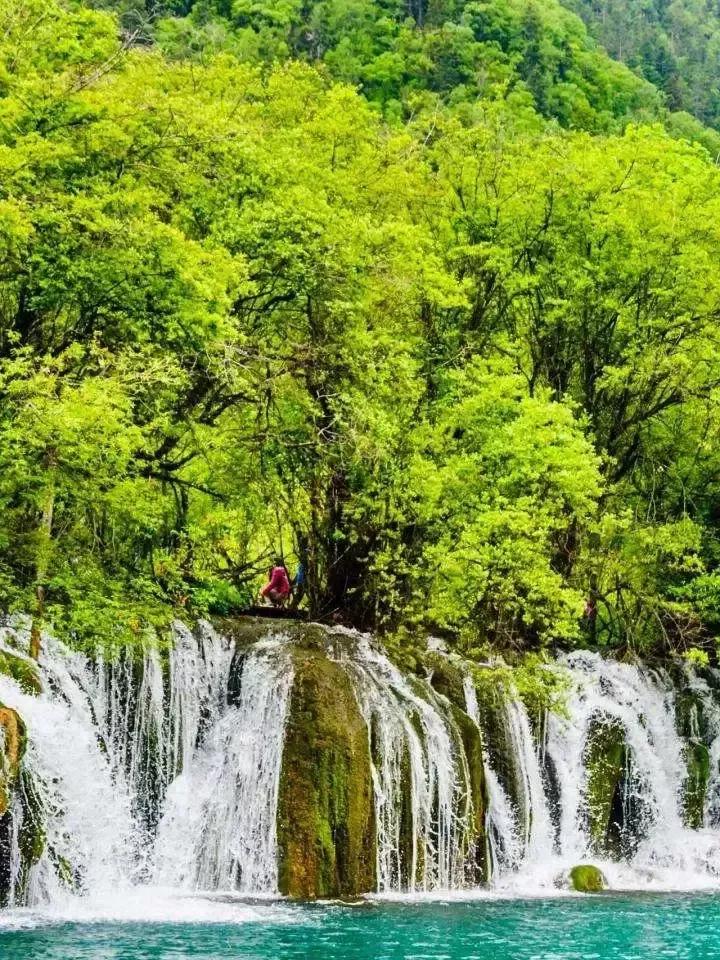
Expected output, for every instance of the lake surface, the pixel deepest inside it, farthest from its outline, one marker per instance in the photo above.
(622, 927)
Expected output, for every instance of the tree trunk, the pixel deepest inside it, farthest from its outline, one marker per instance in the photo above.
(41, 566)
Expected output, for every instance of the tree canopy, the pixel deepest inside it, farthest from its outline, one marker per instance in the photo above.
(450, 344)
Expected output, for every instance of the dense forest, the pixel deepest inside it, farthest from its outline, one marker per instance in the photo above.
(424, 297)
(673, 43)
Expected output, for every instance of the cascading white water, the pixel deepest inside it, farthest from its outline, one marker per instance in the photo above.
(111, 746)
(89, 829)
(643, 705)
(504, 841)
(422, 800)
(519, 833)
(218, 830)
(536, 836)
(164, 770)
(664, 852)
(710, 699)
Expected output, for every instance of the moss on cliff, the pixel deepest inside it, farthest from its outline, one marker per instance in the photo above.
(21, 669)
(477, 839)
(698, 774)
(14, 781)
(446, 677)
(14, 739)
(690, 716)
(31, 838)
(605, 759)
(326, 821)
(407, 830)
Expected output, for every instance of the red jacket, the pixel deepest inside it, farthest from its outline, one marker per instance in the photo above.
(279, 581)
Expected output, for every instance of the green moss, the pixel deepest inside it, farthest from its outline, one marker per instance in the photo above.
(698, 774)
(446, 678)
(64, 871)
(605, 760)
(14, 740)
(22, 670)
(246, 631)
(690, 716)
(407, 828)
(326, 821)
(586, 878)
(14, 781)
(31, 837)
(477, 841)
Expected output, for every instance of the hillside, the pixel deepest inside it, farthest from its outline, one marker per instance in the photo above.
(676, 46)
(399, 55)
(410, 57)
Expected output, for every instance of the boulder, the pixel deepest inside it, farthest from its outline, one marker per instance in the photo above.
(587, 878)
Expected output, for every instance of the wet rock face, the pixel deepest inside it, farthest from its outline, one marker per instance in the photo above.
(693, 726)
(605, 761)
(30, 839)
(13, 740)
(478, 866)
(446, 678)
(326, 820)
(697, 758)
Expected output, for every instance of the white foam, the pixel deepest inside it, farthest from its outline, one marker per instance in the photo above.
(149, 905)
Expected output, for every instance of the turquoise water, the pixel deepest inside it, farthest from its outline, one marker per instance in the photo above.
(592, 928)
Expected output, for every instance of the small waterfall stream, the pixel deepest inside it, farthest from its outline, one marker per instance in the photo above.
(218, 828)
(553, 809)
(642, 704)
(412, 740)
(90, 833)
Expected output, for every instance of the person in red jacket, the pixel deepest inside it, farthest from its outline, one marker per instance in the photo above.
(277, 589)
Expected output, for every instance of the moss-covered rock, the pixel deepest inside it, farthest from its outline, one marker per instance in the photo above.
(587, 878)
(21, 669)
(13, 739)
(472, 745)
(690, 717)
(446, 677)
(605, 761)
(697, 757)
(15, 782)
(246, 631)
(326, 819)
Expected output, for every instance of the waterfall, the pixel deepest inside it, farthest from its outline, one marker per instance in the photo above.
(161, 769)
(500, 818)
(420, 778)
(642, 704)
(550, 817)
(218, 830)
(536, 825)
(90, 836)
(523, 831)
(143, 773)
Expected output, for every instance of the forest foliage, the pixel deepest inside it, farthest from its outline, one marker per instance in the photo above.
(455, 350)
(675, 44)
